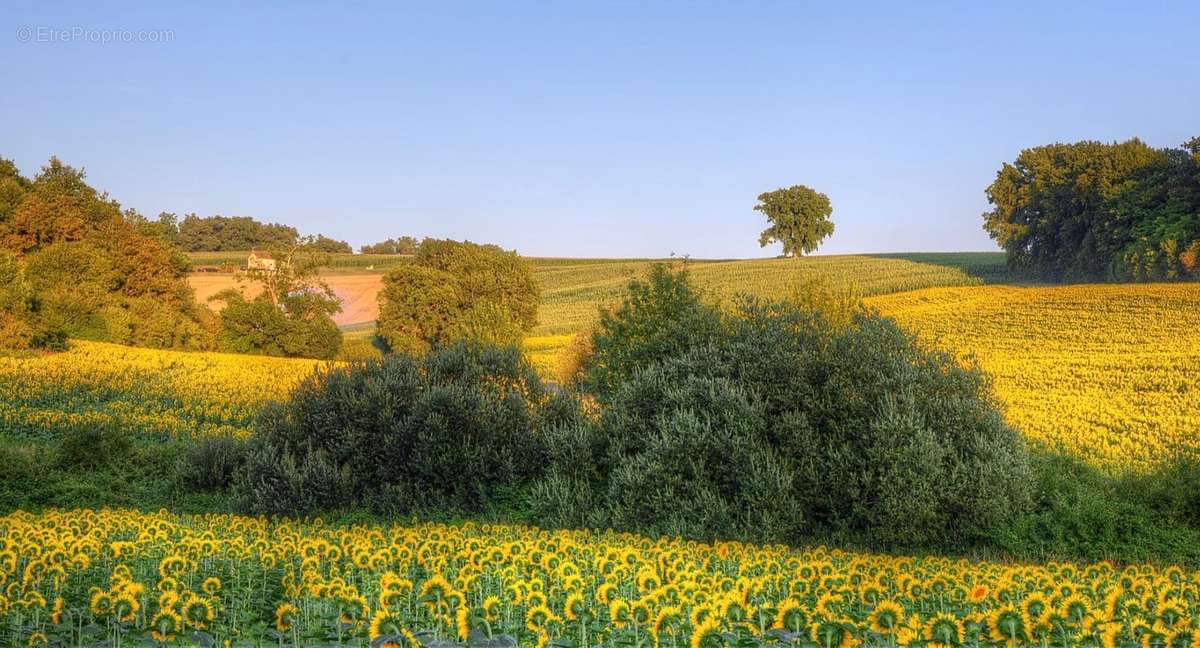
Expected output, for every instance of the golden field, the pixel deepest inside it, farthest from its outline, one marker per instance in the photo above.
(162, 393)
(1110, 373)
(82, 577)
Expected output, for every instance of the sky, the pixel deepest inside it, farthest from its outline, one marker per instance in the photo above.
(610, 129)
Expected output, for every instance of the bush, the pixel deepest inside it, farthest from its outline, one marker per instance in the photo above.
(659, 318)
(211, 464)
(452, 430)
(769, 424)
(1082, 514)
(89, 446)
(260, 327)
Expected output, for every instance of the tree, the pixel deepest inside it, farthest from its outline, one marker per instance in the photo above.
(1092, 211)
(402, 245)
(232, 233)
(799, 219)
(457, 290)
(292, 314)
(94, 272)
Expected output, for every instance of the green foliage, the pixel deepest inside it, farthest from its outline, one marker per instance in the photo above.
(457, 291)
(210, 464)
(403, 245)
(260, 327)
(222, 233)
(741, 424)
(453, 430)
(92, 272)
(799, 219)
(660, 317)
(16, 304)
(331, 246)
(88, 446)
(1081, 513)
(1090, 210)
(292, 315)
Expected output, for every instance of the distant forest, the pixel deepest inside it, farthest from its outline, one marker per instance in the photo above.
(229, 234)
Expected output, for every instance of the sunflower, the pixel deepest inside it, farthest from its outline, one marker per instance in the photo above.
(491, 608)
(462, 622)
(831, 634)
(707, 635)
(211, 585)
(944, 630)
(790, 616)
(382, 623)
(619, 614)
(165, 625)
(887, 617)
(604, 592)
(37, 639)
(574, 607)
(978, 593)
(1074, 608)
(56, 612)
(1007, 624)
(665, 623)
(537, 618)
(1173, 612)
(101, 604)
(126, 607)
(197, 611)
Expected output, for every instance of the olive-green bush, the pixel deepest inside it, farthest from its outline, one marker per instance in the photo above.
(772, 425)
(452, 430)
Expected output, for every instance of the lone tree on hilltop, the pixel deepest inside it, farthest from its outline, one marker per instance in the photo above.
(799, 219)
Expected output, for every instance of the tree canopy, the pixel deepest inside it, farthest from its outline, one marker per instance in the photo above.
(292, 313)
(90, 270)
(402, 245)
(457, 290)
(799, 219)
(1093, 211)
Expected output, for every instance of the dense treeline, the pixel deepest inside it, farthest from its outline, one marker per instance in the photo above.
(73, 263)
(1090, 210)
(402, 245)
(229, 234)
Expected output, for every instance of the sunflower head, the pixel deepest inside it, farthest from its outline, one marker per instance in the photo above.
(285, 617)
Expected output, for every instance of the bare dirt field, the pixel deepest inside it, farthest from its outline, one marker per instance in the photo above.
(357, 292)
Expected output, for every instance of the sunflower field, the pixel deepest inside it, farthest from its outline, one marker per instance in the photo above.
(153, 392)
(84, 577)
(1108, 373)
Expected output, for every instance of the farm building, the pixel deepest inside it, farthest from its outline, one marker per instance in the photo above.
(259, 260)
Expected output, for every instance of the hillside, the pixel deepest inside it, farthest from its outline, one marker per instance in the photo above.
(1100, 371)
(573, 289)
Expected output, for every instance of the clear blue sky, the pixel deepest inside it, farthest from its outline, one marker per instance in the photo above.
(606, 129)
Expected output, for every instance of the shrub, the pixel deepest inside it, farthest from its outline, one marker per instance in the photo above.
(573, 358)
(660, 317)
(258, 326)
(89, 446)
(1081, 513)
(449, 430)
(211, 463)
(769, 424)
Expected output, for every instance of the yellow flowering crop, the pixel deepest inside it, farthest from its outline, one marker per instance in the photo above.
(166, 393)
(1109, 373)
(127, 576)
